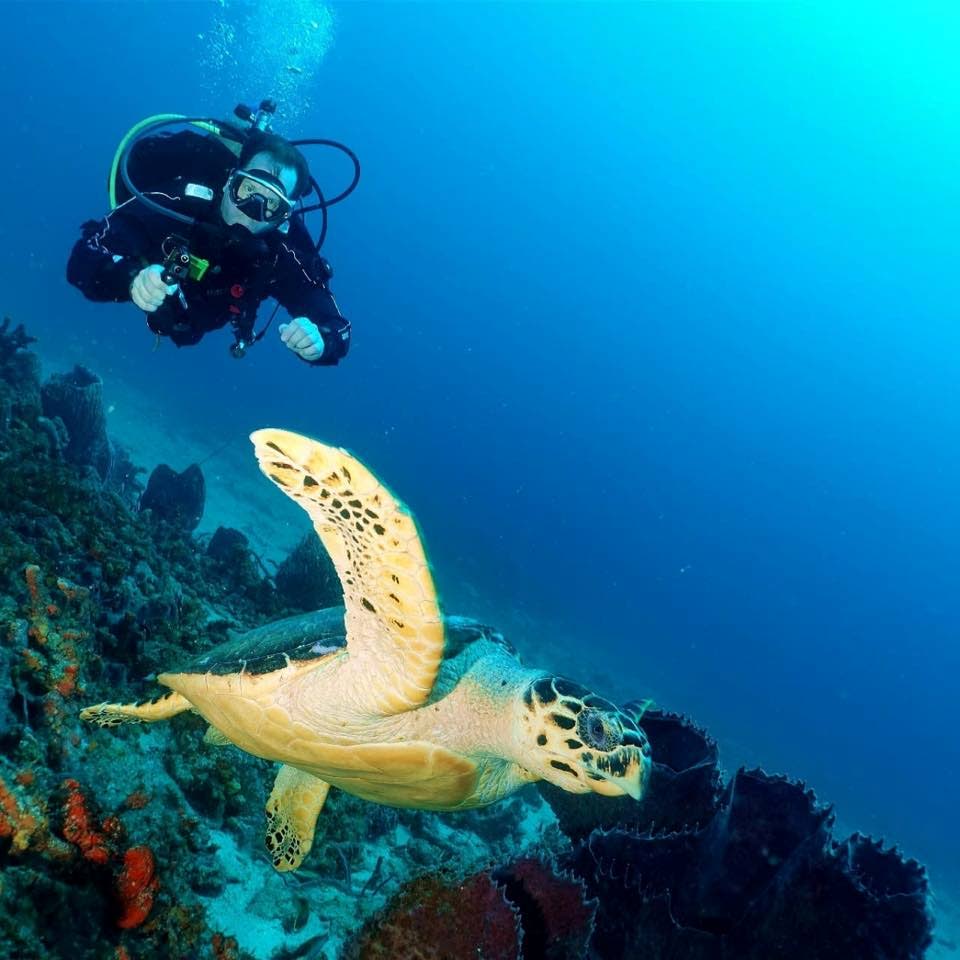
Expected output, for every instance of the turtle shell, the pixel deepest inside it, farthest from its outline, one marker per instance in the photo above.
(313, 636)
(303, 637)
(461, 632)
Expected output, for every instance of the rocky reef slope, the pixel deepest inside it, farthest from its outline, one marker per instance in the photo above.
(141, 842)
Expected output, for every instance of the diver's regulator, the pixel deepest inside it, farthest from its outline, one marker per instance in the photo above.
(259, 119)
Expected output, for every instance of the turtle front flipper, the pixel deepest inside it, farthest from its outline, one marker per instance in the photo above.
(144, 711)
(292, 810)
(395, 633)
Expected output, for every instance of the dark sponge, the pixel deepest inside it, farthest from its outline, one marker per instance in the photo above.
(762, 879)
(176, 498)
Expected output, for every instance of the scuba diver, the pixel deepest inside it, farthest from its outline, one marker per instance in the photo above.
(205, 226)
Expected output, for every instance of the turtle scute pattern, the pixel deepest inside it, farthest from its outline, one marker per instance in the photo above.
(393, 622)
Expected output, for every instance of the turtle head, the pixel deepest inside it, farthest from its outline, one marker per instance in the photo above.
(581, 742)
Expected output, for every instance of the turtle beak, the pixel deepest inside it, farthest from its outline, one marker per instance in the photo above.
(622, 772)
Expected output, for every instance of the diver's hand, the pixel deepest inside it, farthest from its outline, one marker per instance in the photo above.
(303, 337)
(148, 291)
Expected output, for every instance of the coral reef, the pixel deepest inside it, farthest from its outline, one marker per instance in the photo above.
(19, 377)
(162, 858)
(103, 584)
(23, 820)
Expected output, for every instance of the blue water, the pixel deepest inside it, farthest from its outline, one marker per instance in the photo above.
(655, 328)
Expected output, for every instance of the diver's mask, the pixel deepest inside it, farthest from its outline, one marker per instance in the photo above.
(260, 196)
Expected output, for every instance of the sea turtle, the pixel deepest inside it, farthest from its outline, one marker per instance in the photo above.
(384, 698)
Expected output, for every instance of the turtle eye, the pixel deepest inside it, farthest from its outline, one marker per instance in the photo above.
(597, 731)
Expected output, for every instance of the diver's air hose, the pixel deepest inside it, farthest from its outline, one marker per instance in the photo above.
(227, 132)
(343, 193)
(157, 120)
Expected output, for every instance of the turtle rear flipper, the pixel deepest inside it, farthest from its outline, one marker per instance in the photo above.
(216, 738)
(292, 810)
(144, 711)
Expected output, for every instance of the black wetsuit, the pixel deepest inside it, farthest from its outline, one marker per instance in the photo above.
(187, 172)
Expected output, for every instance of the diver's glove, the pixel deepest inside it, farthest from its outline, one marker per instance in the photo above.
(303, 337)
(148, 291)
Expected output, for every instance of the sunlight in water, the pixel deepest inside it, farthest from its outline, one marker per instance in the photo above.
(255, 50)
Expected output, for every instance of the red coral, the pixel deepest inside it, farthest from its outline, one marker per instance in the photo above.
(136, 887)
(433, 920)
(54, 631)
(137, 800)
(31, 660)
(556, 916)
(31, 573)
(224, 948)
(70, 590)
(485, 916)
(78, 826)
(66, 686)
